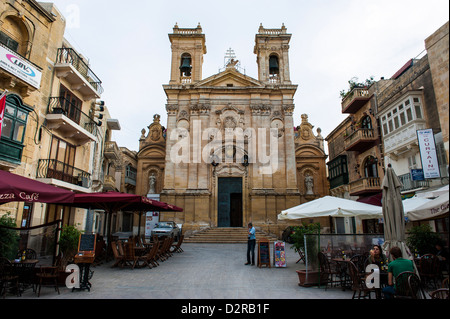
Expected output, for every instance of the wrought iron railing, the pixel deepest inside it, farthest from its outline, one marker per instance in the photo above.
(50, 168)
(409, 184)
(70, 56)
(60, 105)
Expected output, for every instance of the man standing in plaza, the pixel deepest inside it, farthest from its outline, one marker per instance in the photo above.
(251, 244)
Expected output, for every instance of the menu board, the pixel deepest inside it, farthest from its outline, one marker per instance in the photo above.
(263, 253)
(87, 242)
(279, 254)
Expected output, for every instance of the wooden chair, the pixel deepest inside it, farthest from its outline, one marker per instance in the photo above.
(176, 248)
(441, 293)
(408, 286)
(359, 261)
(150, 258)
(119, 258)
(429, 269)
(8, 277)
(161, 255)
(444, 283)
(302, 256)
(130, 258)
(325, 267)
(359, 283)
(47, 275)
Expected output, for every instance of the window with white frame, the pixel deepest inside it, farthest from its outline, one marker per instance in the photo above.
(408, 110)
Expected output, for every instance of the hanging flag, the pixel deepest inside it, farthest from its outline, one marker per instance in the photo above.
(2, 110)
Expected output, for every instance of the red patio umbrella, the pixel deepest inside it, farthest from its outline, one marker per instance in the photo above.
(16, 188)
(112, 202)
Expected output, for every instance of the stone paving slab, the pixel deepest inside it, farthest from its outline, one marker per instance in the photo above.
(202, 271)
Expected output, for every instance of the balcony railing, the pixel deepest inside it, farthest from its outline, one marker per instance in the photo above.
(360, 139)
(355, 99)
(365, 185)
(50, 168)
(69, 56)
(409, 184)
(60, 105)
(112, 151)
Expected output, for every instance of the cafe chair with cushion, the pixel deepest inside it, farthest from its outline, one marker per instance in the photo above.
(359, 283)
(47, 276)
(8, 277)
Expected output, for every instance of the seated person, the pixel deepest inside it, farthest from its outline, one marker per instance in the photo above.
(376, 257)
(396, 267)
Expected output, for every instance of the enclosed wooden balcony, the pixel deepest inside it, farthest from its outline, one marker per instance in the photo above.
(360, 139)
(355, 100)
(365, 185)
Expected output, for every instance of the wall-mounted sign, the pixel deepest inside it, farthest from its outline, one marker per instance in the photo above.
(417, 175)
(19, 67)
(428, 154)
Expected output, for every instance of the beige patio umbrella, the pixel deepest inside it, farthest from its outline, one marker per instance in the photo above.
(393, 214)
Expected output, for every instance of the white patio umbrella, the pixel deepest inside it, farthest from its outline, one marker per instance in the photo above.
(333, 207)
(393, 214)
(435, 208)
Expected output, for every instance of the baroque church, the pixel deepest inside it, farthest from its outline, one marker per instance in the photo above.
(231, 153)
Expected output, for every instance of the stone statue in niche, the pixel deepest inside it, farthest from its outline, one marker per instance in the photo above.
(309, 183)
(152, 184)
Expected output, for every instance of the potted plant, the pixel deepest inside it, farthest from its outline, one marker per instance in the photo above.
(422, 239)
(68, 247)
(311, 275)
(9, 238)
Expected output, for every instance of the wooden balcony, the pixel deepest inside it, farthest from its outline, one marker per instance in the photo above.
(355, 100)
(366, 185)
(360, 140)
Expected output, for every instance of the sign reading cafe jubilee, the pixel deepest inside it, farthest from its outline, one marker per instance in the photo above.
(428, 153)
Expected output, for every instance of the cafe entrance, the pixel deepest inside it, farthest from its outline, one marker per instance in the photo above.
(229, 202)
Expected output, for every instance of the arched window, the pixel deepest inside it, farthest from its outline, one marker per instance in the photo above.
(14, 35)
(274, 65)
(366, 122)
(186, 65)
(371, 167)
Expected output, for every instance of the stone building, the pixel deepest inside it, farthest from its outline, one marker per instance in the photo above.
(231, 154)
(53, 131)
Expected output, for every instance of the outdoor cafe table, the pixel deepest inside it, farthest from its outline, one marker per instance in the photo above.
(343, 269)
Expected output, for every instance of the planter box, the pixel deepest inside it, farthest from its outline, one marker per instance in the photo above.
(308, 278)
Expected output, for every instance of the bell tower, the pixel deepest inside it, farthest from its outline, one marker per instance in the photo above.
(188, 48)
(272, 51)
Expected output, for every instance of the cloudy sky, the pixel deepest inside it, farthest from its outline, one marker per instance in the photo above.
(332, 41)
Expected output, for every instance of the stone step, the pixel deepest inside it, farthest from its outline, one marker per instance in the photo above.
(225, 236)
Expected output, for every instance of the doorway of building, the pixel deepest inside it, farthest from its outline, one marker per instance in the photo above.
(230, 202)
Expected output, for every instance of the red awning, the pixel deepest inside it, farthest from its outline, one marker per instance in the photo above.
(16, 188)
(114, 201)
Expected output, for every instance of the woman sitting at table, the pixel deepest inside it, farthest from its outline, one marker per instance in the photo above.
(376, 257)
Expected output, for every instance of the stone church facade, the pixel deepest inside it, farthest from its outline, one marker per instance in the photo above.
(231, 153)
